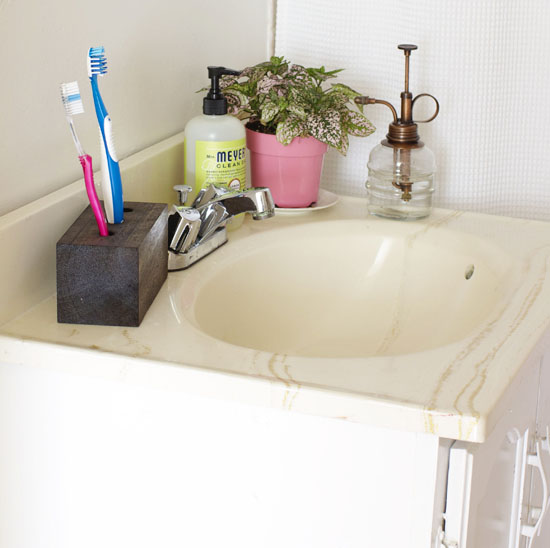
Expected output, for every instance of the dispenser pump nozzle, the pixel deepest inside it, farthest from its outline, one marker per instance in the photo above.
(215, 101)
(406, 95)
(403, 131)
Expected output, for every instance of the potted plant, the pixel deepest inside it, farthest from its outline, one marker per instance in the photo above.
(293, 117)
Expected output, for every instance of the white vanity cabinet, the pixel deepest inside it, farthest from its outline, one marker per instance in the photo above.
(497, 490)
(111, 460)
(92, 461)
(542, 437)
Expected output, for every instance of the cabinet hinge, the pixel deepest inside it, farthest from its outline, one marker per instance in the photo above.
(444, 541)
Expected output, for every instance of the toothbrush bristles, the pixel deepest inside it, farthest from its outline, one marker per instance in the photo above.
(97, 62)
(72, 101)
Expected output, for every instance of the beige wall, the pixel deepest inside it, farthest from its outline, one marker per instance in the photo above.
(157, 52)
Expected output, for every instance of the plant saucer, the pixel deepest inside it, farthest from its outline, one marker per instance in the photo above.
(325, 199)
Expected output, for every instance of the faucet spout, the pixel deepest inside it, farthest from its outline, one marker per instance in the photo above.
(256, 201)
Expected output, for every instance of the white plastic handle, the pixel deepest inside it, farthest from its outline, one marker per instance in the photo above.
(546, 441)
(106, 193)
(109, 138)
(530, 531)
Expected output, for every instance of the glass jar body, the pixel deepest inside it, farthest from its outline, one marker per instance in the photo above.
(400, 183)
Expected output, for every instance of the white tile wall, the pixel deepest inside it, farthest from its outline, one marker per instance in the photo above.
(485, 61)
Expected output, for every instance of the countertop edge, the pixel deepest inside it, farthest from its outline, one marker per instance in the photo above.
(257, 391)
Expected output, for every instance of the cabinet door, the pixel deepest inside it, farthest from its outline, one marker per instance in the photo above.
(105, 462)
(482, 479)
(540, 478)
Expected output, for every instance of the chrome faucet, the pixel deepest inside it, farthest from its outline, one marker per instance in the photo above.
(196, 231)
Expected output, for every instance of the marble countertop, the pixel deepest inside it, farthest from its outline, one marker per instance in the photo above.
(451, 391)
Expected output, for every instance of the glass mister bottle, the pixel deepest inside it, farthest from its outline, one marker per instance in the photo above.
(401, 169)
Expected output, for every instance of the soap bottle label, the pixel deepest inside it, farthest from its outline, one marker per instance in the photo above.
(220, 162)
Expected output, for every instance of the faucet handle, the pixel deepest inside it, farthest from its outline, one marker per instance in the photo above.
(183, 191)
(183, 228)
(208, 194)
(212, 217)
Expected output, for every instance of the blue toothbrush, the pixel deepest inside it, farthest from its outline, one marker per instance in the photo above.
(110, 179)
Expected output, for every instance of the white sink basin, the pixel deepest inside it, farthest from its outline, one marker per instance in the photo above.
(348, 288)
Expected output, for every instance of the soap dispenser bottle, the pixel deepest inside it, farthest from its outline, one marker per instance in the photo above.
(215, 142)
(401, 168)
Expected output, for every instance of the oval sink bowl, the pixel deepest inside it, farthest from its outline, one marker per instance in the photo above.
(350, 288)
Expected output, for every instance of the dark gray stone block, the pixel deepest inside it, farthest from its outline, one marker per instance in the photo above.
(112, 280)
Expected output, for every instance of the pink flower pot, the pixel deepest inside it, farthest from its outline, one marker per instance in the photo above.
(292, 172)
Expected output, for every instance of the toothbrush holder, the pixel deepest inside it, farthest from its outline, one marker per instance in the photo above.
(112, 280)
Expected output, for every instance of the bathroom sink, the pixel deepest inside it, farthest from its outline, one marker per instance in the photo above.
(350, 289)
(419, 325)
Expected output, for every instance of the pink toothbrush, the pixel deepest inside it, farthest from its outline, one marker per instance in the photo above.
(70, 95)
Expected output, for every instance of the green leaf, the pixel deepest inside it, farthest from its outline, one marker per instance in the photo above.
(356, 124)
(327, 128)
(255, 73)
(236, 97)
(269, 111)
(289, 129)
(344, 90)
(228, 79)
(297, 111)
(342, 148)
(321, 74)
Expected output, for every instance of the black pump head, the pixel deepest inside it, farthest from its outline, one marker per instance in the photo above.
(215, 101)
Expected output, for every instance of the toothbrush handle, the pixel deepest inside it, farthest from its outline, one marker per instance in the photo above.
(86, 162)
(111, 182)
(106, 182)
(114, 170)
